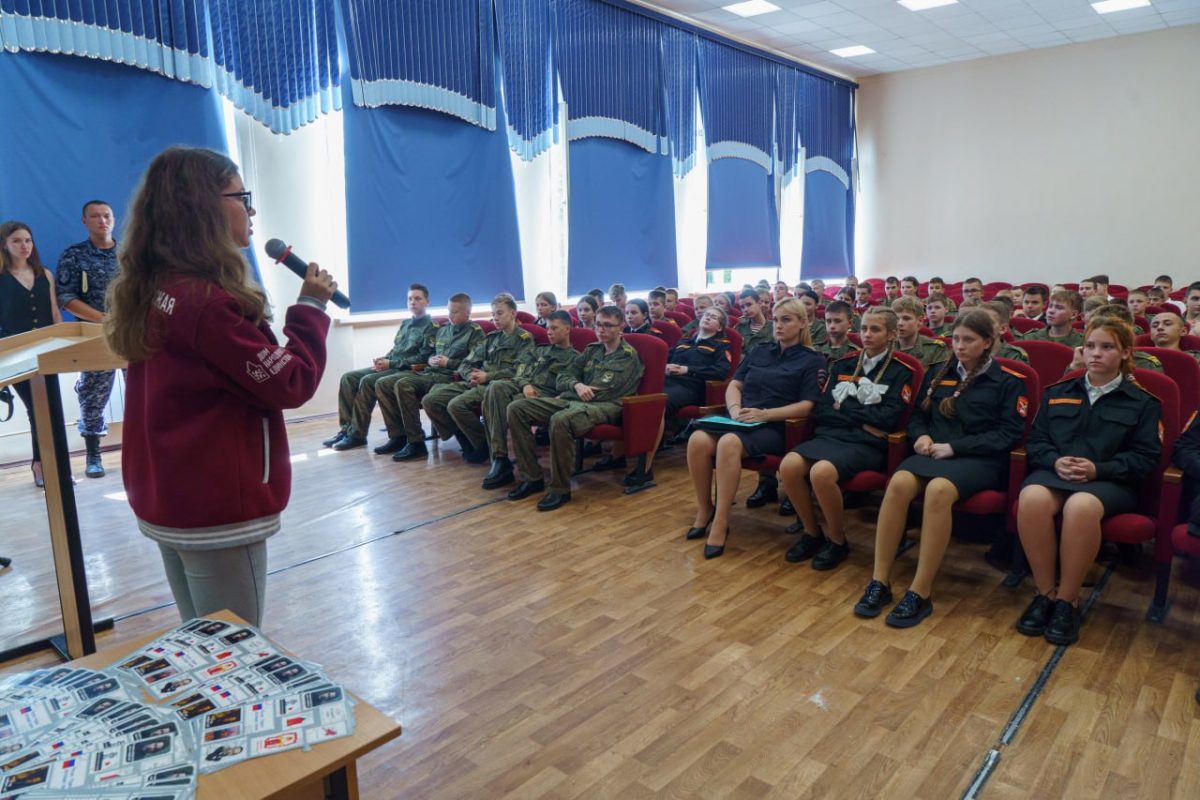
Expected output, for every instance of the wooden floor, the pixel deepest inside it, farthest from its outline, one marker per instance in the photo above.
(592, 652)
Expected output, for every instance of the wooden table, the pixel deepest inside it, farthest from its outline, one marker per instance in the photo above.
(328, 770)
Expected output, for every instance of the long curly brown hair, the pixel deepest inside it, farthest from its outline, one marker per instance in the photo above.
(176, 227)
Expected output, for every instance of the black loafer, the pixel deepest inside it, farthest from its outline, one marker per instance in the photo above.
(607, 463)
(637, 478)
(805, 548)
(1063, 627)
(786, 509)
(350, 442)
(1037, 614)
(553, 500)
(910, 611)
(526, 488)
(411, 451)
(831, 555)
(332, 440)
(392, 445)
(501, 474)
(795, 527)
(765, 492)
(877, 595)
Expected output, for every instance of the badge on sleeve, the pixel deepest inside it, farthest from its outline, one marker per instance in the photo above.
(1023, 406)
(906, 393)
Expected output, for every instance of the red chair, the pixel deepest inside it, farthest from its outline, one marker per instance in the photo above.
(669, 332)
(688, 303)
(539, 333)
(1118, 292)
(1050, 359)
(680, 318)
(1159, 490)
(525, 316)
(1152, 310)
(1179, 294)
(582, 337)
(927, 332)
(441, 320)
(877, 286)
(1186, 342)
(991, 289)
(574, 312)
(1183, 369)
(1079, 325)
(1142, 323)
(1024, 325)
(1074, 287)
(734, 313)
(641, 414)
(487, 325)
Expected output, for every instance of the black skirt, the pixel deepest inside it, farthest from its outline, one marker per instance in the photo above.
(969, 475)
(1117, 498)
(765, 440)
(849, 458)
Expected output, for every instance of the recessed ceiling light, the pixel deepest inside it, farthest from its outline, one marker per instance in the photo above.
(851, 52)
(1109, 6)
(921, 5)
(751, 8)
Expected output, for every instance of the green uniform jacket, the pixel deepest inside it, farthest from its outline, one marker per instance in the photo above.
(614, 375)
(832, 353)
(928, 351)
(1073, 339)
(944, 330)
(1006, 350)
(497, 354)
(413, 343)
(541, 366)
(766, 334)
(455, 342)
(819, 332)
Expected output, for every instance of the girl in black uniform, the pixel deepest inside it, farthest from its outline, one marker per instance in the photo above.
(863, 399)
(27, 301)
(546, 304)
(637, 316)
(586, 308)
(970, 413)
(776, 381)
(704, 357)
(1187, 458)
(1094, 438)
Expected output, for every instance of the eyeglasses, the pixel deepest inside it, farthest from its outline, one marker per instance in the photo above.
(608, 326)
(245, 197)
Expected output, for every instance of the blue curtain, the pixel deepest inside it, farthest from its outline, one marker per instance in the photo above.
(88, 130)
(737, 98)
(787, 122)
(436, 54)
(743, 223)
(610, 68)
(622, 217)
(428, 199)
(526, 36)
(680, 82)
(827, 134)
(277, 60)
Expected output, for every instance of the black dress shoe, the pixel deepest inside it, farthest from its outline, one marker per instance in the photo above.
(349, 442)
(717, 550)
(795, 527)
(1037, 614)
(553, 500)
(589, 448)
(637, 478)
(877, 595)
(786, 509)
(830, 555)
(480, 456)
(700, 533)
(608, 462)
(411, 451)
(765, 492)
(501, 474)
(332, 440)
(911, 609)
(804, 549)
(392, 445)
(526, 488)
(1063, 627)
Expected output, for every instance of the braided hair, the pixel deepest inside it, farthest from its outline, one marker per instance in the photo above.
(981, 323)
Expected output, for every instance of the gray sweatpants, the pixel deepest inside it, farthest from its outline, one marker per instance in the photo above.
(204, 581)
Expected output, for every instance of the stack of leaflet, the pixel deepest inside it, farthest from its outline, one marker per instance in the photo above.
(222, 692)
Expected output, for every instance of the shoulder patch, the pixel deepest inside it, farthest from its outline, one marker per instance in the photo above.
(1012, 372)
(476, 326)
(627, 347)
(524, 334)
(937, 342)
(899, 363)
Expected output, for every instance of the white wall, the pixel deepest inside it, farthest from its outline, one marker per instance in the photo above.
(1045, 165)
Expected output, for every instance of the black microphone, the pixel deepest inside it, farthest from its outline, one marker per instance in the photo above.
(283, 254)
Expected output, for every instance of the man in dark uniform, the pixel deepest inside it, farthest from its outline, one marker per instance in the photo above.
(537, 374)
(753, 326)
(453, 342)
(590, 394)
(357, 392)
(454, 407)
(83, 274)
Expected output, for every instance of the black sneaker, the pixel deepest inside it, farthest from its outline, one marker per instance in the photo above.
(332, 440)
(804, 549)
(1063, 627)
(911, 609)
(1037, 614)
(830, 555)
(877, 595)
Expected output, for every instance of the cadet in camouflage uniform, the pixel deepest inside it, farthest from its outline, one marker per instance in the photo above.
(83, 274)
(454, 407)
(590, 394)
(909, 312)
(753, 314)
(816, 327)
(1001, 313)
(1167, 330)
(537, 374)
(837, 325)
(1061, 310)
(400, 399)
(357, 391)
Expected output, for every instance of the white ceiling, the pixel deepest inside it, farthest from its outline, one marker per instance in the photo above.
(808, 29)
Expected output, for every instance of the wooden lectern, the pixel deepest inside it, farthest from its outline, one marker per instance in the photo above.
(40, 356)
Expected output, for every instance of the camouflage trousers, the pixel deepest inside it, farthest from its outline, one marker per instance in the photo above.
(93, 390)
(356, 399)
(567, 420)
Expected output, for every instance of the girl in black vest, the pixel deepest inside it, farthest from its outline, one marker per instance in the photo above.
(27, 301)
(864, 396)
(1094, 438)
(970, 415)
